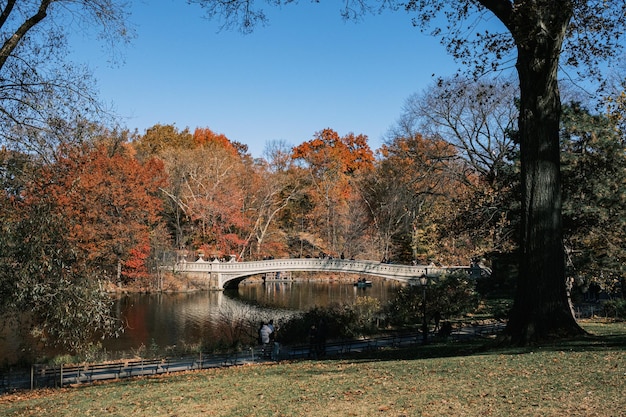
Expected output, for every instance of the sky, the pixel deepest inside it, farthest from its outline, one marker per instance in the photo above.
(305, 71)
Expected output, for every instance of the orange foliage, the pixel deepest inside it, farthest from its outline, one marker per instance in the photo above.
(204, 136)
(333, 162)
(427, 163)
(110, 202)
(347, 154)
(426, 176)
(206, 187)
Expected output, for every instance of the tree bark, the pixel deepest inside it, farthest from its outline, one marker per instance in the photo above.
(541, 308)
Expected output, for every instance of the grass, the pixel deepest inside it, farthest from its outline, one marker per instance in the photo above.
(582, 377)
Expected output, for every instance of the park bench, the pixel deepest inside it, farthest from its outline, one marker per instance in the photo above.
(228, 359)
(215, 360)
(298, 351)
(183, 363)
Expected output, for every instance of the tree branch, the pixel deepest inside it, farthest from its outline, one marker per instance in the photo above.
(12, 43)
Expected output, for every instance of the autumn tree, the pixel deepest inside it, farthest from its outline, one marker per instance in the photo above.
(479, 118)
(47, 289)
(205, 192)
(327, 150)
(165, 141)
(539, 35)
(67, 227)
(414, 184)
(269, 189)
(111, 203)
(331, 161)
(205, 136)
(359, 237)
(160, 138)
(44, 103)
(292, 220)
(476, 116)
(204, 201)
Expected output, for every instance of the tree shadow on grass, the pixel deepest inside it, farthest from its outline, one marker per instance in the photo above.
(492, 346)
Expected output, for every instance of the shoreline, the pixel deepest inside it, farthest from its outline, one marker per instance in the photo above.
(179, 284)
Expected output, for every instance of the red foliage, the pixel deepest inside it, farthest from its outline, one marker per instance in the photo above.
(110, 202)
(135, 268)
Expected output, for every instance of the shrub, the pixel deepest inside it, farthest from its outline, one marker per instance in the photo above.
(615, 308)
(338, 320)
(366, 311)
(449, 296)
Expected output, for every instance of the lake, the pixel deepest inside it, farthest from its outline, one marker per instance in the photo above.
(167, 320)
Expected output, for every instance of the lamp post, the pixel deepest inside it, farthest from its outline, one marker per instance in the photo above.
(423, 283)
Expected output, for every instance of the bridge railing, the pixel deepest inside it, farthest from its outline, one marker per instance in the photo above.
(403, 272)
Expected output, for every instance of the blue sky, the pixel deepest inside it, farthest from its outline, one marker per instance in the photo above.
(306, 71)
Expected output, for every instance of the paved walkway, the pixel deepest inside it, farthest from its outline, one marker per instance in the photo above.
(46, 376)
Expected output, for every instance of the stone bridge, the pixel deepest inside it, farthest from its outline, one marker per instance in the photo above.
(228, 274)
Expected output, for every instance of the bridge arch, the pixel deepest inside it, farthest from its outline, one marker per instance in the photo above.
(228, 274)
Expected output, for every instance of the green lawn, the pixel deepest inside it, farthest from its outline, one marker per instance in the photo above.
(585, 377)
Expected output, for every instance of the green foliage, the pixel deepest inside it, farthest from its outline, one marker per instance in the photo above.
(594, 188)
(615, 308)
(339, 321)
(45, 286)
(451, 295)
(454, 295)
(367, 311)
(296, 330)
(498, 308)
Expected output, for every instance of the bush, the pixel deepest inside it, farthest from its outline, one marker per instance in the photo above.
(367, 311)
(339, 321)
(449, 296)
(496, 308)
(615, 308)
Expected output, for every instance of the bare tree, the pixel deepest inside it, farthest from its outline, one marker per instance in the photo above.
(475, 116)
(42, 95)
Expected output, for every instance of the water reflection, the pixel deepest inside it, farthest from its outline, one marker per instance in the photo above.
(170, 319)
(302, 296)
(174, 319)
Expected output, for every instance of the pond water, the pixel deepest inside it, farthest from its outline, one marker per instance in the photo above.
(167, 320)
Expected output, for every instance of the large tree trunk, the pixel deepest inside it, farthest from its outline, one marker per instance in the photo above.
(541, 308)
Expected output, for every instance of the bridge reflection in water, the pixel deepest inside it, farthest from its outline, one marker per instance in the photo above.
(228, 274)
